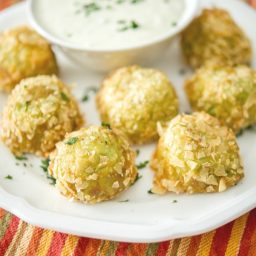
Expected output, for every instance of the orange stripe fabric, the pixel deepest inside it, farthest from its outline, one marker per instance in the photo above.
(193, 246)
(236, 235)
(17, 238)
(34, 241)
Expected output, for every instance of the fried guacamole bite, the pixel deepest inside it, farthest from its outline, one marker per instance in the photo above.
(38, 114)
(228, 93)
(24, 53)
(214, 37)
(93, 164)
(134, 99)
(195, 154)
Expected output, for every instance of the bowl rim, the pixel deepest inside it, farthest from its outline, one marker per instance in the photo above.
(191, 7)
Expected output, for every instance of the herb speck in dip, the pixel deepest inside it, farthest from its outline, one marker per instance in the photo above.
(96, 23)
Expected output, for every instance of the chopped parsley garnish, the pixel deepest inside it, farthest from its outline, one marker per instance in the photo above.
(142, 165)
(8, 177)
(137, 152)
(150, 192)
(26, 105)
(21, 158)
(182, 71)
(240, 133)
(136, 179)
(128, 25)
(124, 201)
(174, 201)
(106, 125)
(86, 96)
(71, 141)
(90, 8)
(44, 166)
(136, 1)
(64, 96)
(174, 24)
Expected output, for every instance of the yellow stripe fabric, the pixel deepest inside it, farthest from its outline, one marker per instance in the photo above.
(205, 244)
(24, 242)
(236, 235)
(45, 243)
(69, 246)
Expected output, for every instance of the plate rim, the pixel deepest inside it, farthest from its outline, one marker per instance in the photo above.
(134, 232)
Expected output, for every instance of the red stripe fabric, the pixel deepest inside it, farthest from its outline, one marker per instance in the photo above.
(248, 232)
(10, 232)
(57, 244)
(220, 240)
(81, 246)
(163, 248)
(121, 249)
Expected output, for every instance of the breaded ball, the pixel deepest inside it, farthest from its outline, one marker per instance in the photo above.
(134, 99)
(196, 154)
(228, 93)
(215, 37)
(93, 164)
(23, 54)
(38, 114)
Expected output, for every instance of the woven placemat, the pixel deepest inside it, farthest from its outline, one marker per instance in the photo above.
(18, 238)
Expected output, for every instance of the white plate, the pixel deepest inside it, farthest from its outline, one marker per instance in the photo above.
(145, 217)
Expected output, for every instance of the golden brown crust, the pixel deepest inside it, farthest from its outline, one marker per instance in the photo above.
(23, 54)
(134, 99)
(38, 114)
(228, 93)
(214, 37)
(196, 154)
(97, 166)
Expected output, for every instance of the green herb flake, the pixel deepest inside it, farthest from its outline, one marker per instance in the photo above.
(124, 201)
(128, 25)
(150, 192)
(44, 166)
(8, 177)
(174, 201)
(27, 103)
(182, 71)
(85, 98)
(71, 141)
(138, 177)
(106, 125)
(174, 24)
(137, 152)
(90, 8)
(142, 165)
(64, 96)
(136, 1)
(21, 158)
(91, 89)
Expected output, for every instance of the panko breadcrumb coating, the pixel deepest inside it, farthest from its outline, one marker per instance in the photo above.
(38, 114)
(23, 54)
(93, 164)
(134, 99)
(228, 93)
(196, 154)
(215, 37)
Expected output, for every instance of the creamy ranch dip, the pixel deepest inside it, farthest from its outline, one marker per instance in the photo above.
(108, 24)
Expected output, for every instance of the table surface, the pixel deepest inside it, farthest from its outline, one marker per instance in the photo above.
(19, 238)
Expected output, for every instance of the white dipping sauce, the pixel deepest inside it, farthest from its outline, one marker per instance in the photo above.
(108, 24)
